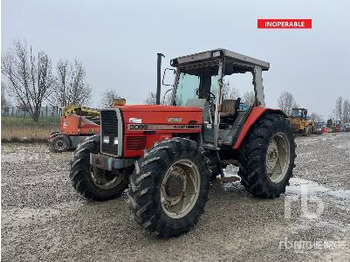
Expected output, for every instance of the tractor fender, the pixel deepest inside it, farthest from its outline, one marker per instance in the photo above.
(53, 134)
(254, 116)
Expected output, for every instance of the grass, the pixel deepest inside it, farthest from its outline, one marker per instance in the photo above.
(16, 129)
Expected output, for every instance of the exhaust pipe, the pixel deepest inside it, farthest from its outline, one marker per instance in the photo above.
(159, 80)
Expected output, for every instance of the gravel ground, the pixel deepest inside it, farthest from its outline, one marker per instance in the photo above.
(44, 219)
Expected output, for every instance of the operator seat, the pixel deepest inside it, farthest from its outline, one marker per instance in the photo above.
(229, 112)
(230, 107)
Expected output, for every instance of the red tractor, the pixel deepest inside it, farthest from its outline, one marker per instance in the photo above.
(168, 154)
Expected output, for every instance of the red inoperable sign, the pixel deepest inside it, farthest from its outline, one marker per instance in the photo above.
(285, 23)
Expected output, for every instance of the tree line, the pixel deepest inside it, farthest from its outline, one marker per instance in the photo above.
(286, 102)
(32, 80)
(342, 110)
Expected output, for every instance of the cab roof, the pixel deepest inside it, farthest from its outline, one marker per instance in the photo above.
(220, 54)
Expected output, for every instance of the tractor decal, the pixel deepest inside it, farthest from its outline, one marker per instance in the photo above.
(161, 127)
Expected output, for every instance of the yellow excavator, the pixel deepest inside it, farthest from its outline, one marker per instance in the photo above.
(300, 122)
(80, 110)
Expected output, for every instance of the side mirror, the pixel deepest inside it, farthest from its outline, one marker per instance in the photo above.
(166, 76)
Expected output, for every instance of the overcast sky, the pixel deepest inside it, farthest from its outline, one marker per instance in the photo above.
(118, 40)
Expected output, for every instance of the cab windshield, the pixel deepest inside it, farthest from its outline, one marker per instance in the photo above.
(194, 86)
(297, 113)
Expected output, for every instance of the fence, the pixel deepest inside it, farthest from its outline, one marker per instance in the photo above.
(53, 112)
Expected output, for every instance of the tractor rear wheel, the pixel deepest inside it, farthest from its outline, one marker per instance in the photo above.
(59, 143)
(268, 157)
(169, 187)
(92, 182)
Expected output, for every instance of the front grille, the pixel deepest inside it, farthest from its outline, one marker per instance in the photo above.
(109, 128)
(135, 142)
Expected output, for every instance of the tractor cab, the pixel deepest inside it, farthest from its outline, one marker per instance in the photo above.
(199, 82)
(300, 122)
(299, 113)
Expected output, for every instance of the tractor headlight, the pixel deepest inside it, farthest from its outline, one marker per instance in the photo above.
(106, 139)
(116, 141)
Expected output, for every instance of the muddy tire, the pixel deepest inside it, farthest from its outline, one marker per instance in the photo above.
(94, 183)
(169, 187)
(268, 154)
(59, 143)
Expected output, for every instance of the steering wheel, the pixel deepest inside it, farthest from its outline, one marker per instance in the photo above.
(212, 96)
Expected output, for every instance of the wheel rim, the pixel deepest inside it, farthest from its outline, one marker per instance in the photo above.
(180, 188)
(104, 179)
(278, 157)
(60, 145)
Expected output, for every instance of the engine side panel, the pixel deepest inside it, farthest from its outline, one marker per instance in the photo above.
(143, 129)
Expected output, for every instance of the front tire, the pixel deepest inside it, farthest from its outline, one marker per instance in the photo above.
(59, 143)
(92, 182)
(169, 187)
(268, 154)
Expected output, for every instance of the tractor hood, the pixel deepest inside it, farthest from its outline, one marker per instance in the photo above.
(161, 115)
(158, 108)
(144, 125)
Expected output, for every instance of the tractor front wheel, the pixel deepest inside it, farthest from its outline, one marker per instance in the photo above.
(268, 157)
(92, 182)
(169, 187)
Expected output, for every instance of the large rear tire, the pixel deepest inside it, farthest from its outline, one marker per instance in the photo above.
(169, 187)
(92, 182)
(268, 154)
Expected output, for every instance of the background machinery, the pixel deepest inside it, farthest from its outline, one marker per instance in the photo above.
(338, 126)
(347, 127)
(76, 124)
(318, 127)
(168, 154)
(299, 121)
(335, 126)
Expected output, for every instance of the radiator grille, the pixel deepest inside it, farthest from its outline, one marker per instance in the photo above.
(109, 128)
(135, 142)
